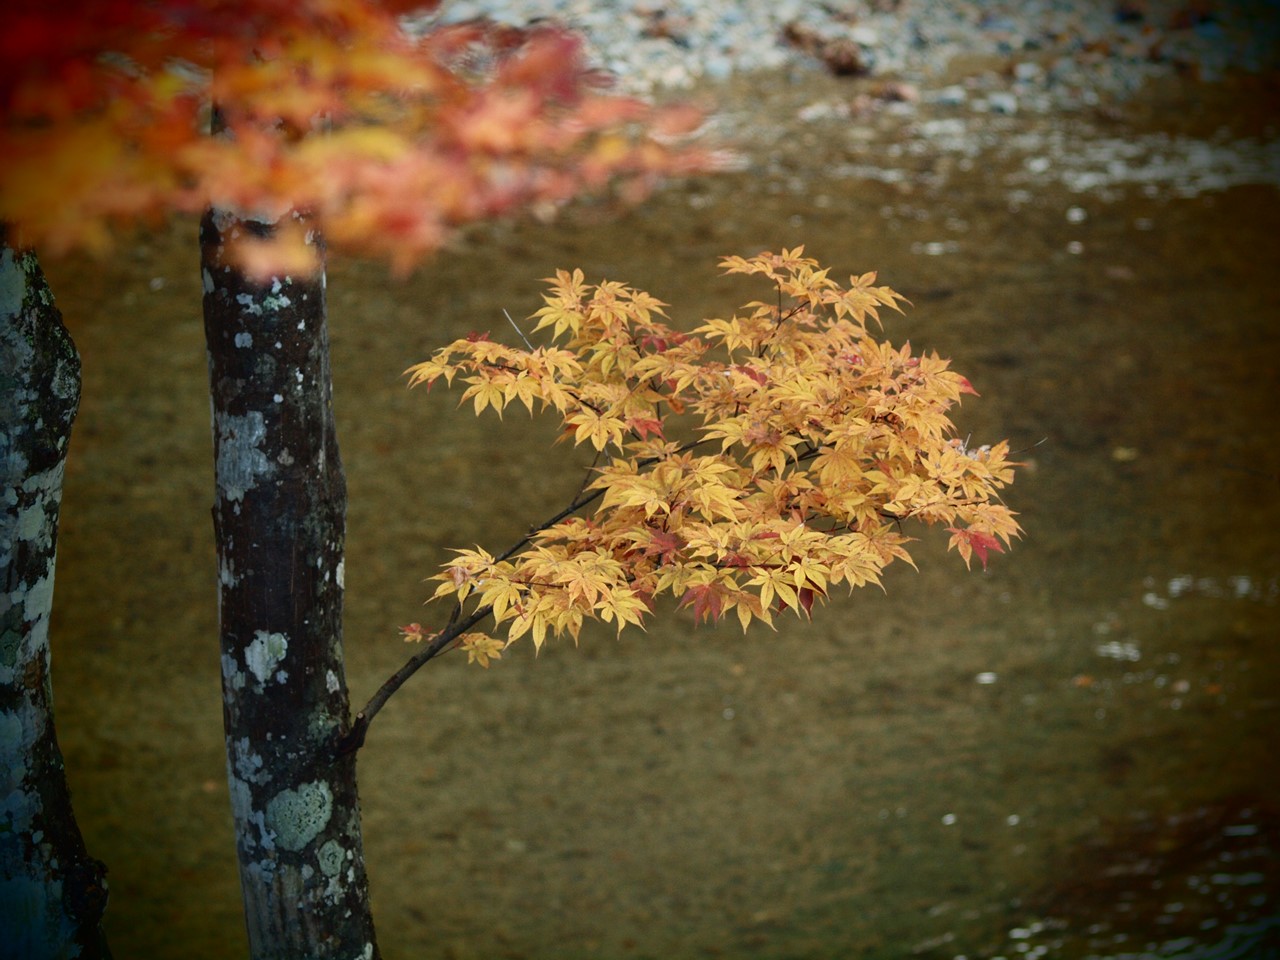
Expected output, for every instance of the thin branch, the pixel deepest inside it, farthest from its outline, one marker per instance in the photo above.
(586, 476)
(570, 510)
(354, 738)
(518, 330)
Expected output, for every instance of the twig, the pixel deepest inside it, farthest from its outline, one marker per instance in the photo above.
(353, 740)
(518, 330)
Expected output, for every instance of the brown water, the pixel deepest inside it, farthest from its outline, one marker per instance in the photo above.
(1071, 754)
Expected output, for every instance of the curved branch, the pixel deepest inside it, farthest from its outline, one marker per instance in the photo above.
(354, 738)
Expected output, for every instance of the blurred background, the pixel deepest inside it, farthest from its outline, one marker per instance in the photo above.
(1070, 754)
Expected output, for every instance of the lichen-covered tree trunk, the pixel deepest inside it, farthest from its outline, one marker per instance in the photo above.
(52, 893)
(279, 522)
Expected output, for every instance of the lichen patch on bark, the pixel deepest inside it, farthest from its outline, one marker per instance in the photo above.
(264, 653)
(296, 817)
(241, 461)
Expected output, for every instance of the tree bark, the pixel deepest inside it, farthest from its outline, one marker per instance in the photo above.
(279, 522)
(52, 893)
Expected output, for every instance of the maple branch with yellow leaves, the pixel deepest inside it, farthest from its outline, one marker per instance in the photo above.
(828, 440)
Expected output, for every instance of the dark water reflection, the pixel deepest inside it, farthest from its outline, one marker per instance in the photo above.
(1072, 754)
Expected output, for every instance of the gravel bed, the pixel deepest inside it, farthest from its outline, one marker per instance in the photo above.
(1061, 54)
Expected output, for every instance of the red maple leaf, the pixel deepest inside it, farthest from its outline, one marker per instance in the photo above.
(643, 426)
(706, 601)
(663, 545)
(979, 542)
(662, 344)
(805, 595)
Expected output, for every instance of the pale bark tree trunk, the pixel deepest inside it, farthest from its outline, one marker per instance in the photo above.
(279, 522)
(52, 893)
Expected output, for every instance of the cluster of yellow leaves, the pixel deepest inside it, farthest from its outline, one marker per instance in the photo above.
(812, 442)
(386, 140)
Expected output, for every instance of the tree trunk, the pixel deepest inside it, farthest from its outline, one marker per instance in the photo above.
(52, 893)
(279, 523)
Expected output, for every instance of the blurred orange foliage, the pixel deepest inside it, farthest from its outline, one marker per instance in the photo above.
(384, 140)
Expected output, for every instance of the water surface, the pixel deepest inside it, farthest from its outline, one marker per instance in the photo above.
(1071, 754)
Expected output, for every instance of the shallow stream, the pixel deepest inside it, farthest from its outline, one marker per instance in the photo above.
(1072, 754)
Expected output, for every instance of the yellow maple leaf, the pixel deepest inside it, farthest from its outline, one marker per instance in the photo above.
(481, 648)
